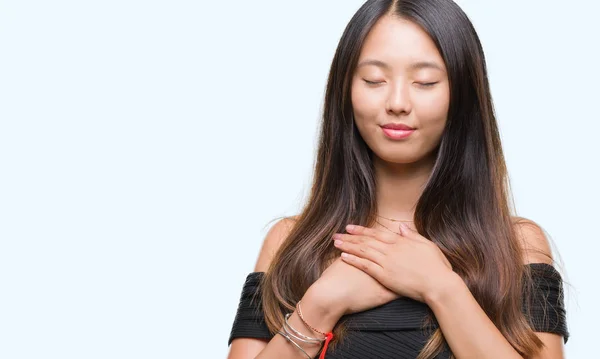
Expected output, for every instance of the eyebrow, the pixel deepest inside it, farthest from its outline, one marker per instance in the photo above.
(414, 66)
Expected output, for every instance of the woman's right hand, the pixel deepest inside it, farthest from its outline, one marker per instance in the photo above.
(345, 289)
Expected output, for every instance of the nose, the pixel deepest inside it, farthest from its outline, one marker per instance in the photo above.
(398, 101)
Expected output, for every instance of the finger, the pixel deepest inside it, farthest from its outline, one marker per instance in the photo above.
(351, 238)
(362, 240)
(371, 232)
(362, 250)
(357, 229)
(367, 266)
(409, 232)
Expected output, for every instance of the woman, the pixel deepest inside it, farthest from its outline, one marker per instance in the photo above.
(408, 135)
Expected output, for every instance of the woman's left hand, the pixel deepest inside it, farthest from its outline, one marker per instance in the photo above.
(406, 263)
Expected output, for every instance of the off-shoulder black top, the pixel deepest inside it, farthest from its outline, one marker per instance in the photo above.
(395, 330)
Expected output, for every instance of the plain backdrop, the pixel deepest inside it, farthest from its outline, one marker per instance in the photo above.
(145, 147)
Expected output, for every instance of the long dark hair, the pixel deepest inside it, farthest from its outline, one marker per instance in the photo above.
(464, 207)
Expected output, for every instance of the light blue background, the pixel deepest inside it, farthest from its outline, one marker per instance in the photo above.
(146, 145)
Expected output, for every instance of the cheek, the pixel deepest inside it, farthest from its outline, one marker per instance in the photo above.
(432, 110)
(364, 103)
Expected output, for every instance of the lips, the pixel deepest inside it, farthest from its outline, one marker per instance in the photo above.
(397, 131)
(397, 126)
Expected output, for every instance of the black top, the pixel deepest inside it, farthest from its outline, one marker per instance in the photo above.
(395, 329)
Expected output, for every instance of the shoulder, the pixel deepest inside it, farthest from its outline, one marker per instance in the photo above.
(533, 241)
(272, 241)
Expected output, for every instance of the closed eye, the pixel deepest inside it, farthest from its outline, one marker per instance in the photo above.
(423, 84)
(427, 84)
(372, 82)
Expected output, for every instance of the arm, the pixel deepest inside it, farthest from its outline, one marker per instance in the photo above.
(318, 315)
(278, 347)
(314, 313)
(459, 314)
(248, 348)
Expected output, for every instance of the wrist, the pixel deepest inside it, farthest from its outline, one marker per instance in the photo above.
(319, 311)
(448, 285)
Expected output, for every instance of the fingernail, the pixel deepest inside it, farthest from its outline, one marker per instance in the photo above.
(350, 227)
(338, 242)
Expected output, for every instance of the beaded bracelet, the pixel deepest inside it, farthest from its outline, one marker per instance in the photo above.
(287, 327)
(328, 336)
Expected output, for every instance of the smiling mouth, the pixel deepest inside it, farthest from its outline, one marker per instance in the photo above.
(397, 126)
(397, 134)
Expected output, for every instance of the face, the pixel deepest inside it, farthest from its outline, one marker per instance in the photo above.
(400, 79)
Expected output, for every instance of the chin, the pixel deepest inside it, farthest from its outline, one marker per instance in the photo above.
(396, 157)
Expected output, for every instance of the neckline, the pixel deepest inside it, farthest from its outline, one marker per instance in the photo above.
(533, 264)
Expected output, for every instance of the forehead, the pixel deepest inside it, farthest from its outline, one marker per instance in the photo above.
(399, 43)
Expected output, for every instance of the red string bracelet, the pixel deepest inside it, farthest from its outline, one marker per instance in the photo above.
(328, 336)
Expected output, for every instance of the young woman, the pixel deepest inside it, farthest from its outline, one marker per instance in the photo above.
(408, 136)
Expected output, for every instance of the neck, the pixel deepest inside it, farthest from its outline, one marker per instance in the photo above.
(399, 186)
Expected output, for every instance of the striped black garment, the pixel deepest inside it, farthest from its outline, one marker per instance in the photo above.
(395, 330)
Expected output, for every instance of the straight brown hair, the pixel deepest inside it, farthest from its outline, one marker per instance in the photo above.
(464, 207)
